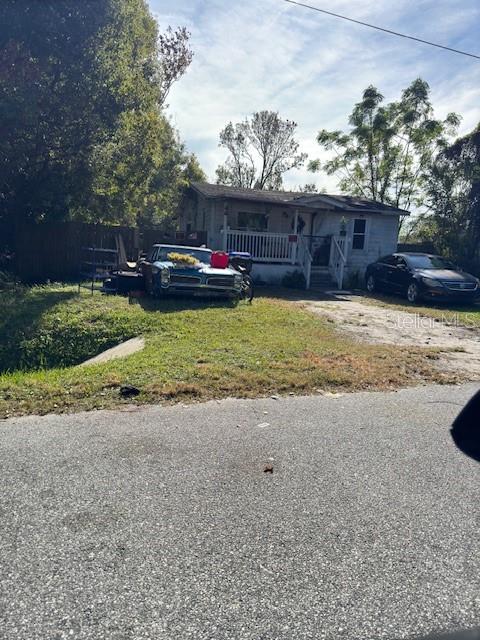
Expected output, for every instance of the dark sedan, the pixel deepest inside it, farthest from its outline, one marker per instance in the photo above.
(422, 276)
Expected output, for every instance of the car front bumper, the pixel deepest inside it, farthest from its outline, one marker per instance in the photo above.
(453, 295)
(200, 290)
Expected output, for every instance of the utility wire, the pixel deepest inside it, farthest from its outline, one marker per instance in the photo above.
(372, 26)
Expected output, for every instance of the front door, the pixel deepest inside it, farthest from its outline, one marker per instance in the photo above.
(320, 249)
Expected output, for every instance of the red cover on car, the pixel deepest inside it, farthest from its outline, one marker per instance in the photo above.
(219, 260)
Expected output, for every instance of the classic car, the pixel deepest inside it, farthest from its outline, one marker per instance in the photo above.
(173, 269)
(422, 276)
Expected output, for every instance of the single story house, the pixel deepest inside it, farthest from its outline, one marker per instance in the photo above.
(326, 237)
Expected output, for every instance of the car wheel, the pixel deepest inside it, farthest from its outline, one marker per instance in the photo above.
(413, 294)
(157, 292)
(371, 284)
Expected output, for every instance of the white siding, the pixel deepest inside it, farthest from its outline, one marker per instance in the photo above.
(381, 237)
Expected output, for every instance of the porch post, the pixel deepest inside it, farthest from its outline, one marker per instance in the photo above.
(225, 226)
(295, 231)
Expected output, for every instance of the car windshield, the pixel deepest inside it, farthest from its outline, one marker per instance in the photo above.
(429, 262)
(200, 254)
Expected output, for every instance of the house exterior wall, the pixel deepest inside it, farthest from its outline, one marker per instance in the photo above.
(380, 239)
(271, 273)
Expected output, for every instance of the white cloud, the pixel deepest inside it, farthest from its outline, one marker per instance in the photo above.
(312, 68)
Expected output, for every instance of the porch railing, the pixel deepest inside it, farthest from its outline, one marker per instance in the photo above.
(338, 259)
(304, 258)
(263, 246)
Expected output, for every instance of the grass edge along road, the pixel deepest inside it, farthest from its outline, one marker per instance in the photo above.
(195, 351)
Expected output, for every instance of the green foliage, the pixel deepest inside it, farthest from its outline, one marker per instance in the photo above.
(294, 280)
(7, 280)
(83, 135)
(309, 187)
(389, 148)
(453, 198)
(175, 57)
(261, 150)
(45, 327)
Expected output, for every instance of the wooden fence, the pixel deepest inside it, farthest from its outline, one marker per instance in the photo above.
(52, 251)
(421, 247)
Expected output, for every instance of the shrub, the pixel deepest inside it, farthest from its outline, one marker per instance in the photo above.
(294, 280)
(7, 280)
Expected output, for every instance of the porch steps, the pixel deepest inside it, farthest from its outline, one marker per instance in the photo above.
(321, 279)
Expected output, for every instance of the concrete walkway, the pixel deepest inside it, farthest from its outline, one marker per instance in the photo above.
(120, 351)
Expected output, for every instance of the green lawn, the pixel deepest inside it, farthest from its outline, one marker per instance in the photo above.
(461, 315)
(195, 350)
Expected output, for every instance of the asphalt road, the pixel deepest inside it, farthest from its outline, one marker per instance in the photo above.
(161, 523)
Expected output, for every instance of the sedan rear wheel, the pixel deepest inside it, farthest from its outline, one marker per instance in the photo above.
(371, 284)
(413, 293)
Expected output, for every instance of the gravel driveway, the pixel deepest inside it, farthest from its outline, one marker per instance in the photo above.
(368, 322)
(160, 523)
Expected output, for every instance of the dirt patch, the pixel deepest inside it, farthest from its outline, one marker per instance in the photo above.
(459, 346)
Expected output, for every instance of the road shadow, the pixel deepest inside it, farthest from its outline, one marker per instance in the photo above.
(465, 430)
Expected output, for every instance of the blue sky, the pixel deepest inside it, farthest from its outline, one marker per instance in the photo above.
(267, 54)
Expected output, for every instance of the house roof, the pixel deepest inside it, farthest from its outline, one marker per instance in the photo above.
(295, 198)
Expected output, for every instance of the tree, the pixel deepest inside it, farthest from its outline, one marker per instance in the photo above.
(388, 149)
(175, 56)
(452, 221)
(82, 134)
(48, 109)
(309, 187)
(261, 150)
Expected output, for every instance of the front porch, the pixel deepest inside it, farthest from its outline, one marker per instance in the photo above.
(282, 252)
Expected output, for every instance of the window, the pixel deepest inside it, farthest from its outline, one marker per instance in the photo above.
(252, 221)
(202, 255)
(388, 260)
(359, 228)
(400, 262)
(420, 261)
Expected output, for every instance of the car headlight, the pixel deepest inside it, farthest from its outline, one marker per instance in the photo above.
(433, 284)
(165, 277)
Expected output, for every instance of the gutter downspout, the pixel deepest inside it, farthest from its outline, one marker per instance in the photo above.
(295, 231)
(312, 220)
(225, 226)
